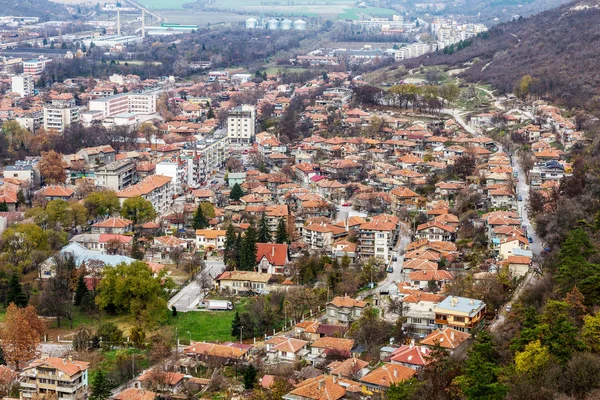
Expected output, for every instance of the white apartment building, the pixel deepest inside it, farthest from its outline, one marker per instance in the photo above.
(377, 237)
(175, 171)
(116, 175)
(157, 189)
(241, 124)
(208, 154)
(58, 118)
(22, 84)
(35, 67)
(135, 103)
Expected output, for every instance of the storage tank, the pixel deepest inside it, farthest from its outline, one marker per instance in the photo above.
(286, 24)
(299, 25)
(272, 24)
(251, 23)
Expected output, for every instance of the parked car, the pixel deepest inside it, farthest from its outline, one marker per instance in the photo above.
(390, 269)
(530, 239)
(508, 308)
(346, 205)
(394, 258)
(520, 198)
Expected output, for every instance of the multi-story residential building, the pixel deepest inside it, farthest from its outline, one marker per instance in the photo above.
(460, 313)
(59, 117)
(344, 310)
(22, 84)
(25, 170)
(135, 103)
(157, 189)
(98, 155)
(210, 239)
(36, 67)
(243, 281)
(116, 176)
(322, 235)
(377, 237)
(176, 171)
(241, 124)
(435, 231)
(62, 378)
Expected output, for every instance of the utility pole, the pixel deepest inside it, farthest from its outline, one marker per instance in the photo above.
(241, 331)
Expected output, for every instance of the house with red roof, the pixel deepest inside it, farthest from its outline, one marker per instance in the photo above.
(272, 258)
(411, 356)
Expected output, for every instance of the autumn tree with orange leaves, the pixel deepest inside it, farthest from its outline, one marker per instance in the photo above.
(21, 334)
(52, 167)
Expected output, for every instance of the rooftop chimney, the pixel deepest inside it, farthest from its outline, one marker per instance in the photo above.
(412, 343)
(320, 384)
(452, 334)
(395, 373)
(273, 251)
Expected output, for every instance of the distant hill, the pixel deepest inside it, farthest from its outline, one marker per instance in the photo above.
(560, 48)
(32, 8)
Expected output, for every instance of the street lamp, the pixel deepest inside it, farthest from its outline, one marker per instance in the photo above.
(241, 331)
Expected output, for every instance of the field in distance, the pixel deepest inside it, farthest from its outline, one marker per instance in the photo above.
(333, 9)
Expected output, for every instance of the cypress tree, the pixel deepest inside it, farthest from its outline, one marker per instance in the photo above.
(231, 249)
(100, 386)
(81, 291)
(236, 325)
(200, 221)
(281, 235)
(3, 206)
(15, 292)
(236, 192)
(210, 114)
(264, 233)
(248, 249)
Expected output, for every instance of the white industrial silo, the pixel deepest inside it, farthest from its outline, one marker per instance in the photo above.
(299, 25)
(272, 24)
(286, 24)
(251, 23)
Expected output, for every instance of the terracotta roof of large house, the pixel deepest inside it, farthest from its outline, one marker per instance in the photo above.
(447, 338)
(388, 374)
(65, 365)
(286, 345)
(244, 276)
(408, 354)
(147, 185)
(113, 222)
(57, 191)
(135, 394)
(275, 253)
(347, 368)
(335, 345)
(347, 301)
(323, 387)
(215, 350)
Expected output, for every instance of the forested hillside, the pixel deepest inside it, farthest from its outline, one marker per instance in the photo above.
(31, 8)
(560, 48)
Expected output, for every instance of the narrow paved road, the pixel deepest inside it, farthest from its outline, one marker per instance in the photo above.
(536, 246)
(188, 297)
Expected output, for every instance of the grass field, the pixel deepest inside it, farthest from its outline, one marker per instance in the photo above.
(203, 325)
(163, 4)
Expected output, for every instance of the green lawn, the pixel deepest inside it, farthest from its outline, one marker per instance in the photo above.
(356, 13)
(163, 4)
(203, 326)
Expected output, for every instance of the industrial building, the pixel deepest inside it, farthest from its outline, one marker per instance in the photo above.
(275, 24)
(112, 41)
(169, 29)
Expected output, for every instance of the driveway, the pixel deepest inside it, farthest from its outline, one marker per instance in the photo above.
(188, 297)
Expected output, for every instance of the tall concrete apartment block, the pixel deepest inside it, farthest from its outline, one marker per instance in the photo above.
(22, 84)
(241, 124)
